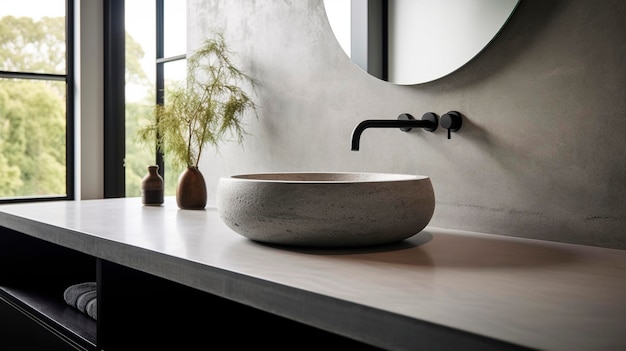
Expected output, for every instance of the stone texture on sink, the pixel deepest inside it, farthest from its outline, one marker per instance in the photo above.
(326, 209)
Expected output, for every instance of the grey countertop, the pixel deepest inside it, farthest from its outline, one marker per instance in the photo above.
(429, 289)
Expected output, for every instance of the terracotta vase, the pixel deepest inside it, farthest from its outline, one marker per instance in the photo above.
(152, 187)
(191, 190)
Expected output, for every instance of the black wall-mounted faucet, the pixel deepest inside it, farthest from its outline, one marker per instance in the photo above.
(405, 122)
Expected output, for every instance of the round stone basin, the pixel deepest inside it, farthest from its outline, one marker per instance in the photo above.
(326, 209)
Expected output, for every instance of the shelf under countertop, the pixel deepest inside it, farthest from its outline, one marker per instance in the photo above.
(431, 288)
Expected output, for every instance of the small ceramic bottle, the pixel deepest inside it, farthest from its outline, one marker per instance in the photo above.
(152, 187)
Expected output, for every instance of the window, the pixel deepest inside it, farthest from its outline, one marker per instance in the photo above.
(155, 57)
(36, 100)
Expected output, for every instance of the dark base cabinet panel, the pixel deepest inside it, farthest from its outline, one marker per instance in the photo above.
(140, 311)
(19, 332)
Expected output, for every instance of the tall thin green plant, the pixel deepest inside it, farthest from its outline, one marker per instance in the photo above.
(206, 109)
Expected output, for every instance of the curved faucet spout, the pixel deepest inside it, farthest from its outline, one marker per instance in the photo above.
(405, 122)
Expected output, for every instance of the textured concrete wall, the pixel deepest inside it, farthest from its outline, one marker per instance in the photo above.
(541, 153)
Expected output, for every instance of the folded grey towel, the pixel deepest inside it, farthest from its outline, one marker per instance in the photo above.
(83, 300)
(83, 297)
(71, 293)
(92, 308)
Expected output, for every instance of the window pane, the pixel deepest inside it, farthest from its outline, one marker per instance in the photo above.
(32, 36)
(33, 120)
(140, 22)
(175, 28)
(175, 74)
(32, 138)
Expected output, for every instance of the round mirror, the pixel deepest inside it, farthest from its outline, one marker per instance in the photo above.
(415, 41)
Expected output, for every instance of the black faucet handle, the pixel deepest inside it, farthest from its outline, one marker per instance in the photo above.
(428, 117)
(451, 121)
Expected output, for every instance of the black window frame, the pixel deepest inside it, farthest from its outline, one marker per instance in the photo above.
(68, 77)
(114, 99)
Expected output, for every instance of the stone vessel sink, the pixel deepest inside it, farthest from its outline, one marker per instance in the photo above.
(326, 209)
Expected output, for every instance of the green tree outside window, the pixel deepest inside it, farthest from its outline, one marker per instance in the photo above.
(32, 112)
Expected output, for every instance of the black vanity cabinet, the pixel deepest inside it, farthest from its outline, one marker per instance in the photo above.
(183, 280)
(136, 310)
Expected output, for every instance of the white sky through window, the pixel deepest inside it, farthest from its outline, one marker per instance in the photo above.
(32, 8)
